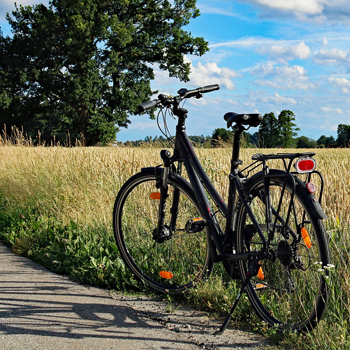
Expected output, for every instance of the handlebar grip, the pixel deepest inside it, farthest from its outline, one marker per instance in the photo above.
(209, 88)
(146, 105)
(201, 90)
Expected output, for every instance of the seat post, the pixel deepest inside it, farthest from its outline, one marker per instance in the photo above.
(238, 130)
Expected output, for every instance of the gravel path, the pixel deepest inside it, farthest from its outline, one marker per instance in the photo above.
(42, 310)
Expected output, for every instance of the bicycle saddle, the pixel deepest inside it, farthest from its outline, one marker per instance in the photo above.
(253, 119)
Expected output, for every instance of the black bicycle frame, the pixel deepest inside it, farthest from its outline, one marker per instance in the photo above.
(199, 180)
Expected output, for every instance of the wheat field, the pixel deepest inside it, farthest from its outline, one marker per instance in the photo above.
(80, 185)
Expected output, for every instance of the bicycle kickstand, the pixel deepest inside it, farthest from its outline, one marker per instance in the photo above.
(252, 271)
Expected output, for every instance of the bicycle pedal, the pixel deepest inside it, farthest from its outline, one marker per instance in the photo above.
(260, 286)
(195, 225)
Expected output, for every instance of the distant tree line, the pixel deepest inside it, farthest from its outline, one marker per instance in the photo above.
(274, 132)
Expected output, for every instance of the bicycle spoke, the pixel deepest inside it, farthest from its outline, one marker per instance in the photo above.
(291, 289)
(176, 258)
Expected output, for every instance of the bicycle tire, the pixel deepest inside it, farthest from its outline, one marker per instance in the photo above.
(293, 293)
(182, 260)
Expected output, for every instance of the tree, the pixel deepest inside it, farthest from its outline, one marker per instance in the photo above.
(254, 139)
(84, 66)
(322, 141)
(221, 135)
(269, 131)
(306, 142)
(325, 141)
(287, 129)
(343, 133)
(330, 142)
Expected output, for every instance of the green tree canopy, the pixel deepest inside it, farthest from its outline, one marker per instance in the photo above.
(322, 141)
(325, 141)
(83, 66)
(269, 131)
(281, 131)
(287, 129)
(306, 142)
(221, 135)
(331, 142)
(343, 133)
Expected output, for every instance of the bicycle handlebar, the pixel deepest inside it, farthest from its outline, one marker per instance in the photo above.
(147, 105)
(185, 94)
(201, 90)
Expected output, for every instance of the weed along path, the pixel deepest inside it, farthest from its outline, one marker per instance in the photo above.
(42, 310)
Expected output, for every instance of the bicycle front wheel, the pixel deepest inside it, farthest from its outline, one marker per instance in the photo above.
(179, 261)
(291, 291)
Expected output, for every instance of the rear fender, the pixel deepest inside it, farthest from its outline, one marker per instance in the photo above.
(310, 197)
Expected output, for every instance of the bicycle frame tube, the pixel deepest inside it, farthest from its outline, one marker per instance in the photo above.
(198, 179)
(187, 154)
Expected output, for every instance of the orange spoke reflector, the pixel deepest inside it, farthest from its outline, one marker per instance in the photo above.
(197, 219)
(260, 286)
(155, 195)
(261, 274)
(166, 275)
(306, 237)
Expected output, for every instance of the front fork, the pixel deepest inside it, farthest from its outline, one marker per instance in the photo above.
(162, 202)
(164, 232)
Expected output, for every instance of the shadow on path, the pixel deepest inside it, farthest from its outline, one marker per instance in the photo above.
(42, 310)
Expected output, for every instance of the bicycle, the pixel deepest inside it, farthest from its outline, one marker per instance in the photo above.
(273, 240)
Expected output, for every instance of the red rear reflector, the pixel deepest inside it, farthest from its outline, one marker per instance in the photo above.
(166, 275)
(155, 195)
(305, 165)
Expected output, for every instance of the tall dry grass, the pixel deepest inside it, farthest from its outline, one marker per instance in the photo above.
(80, 185)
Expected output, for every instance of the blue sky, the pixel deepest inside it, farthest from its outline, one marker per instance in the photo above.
(267, 55)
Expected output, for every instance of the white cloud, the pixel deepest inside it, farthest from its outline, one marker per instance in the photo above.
(282, 77)
(333, 57)
(210, 73)
(276, 98)
(262, 100)
(249, 42)
(330, 56)
(217, 11)
(337, 11)
(218, 102)
(302, 6)
(342, 83)
(279, 50)
(315, 11)
(332, 110)
(283, 54)
(201, 75)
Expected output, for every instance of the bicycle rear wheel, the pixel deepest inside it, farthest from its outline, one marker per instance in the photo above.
(183, 258)
(293, 293)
